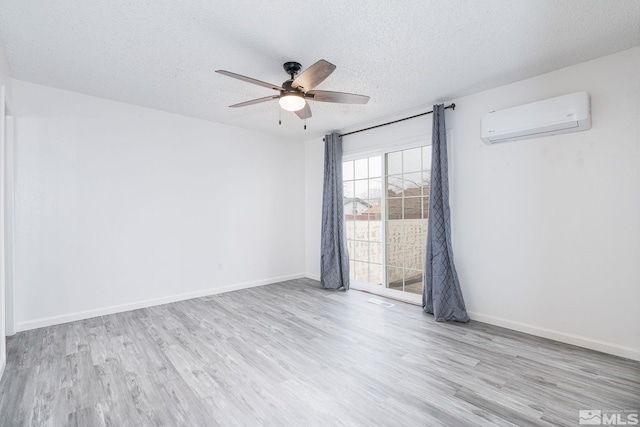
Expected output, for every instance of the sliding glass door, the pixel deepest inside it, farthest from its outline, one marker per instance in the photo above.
(363, 214)
(386, 201)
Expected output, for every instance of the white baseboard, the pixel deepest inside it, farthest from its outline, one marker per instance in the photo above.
(3, 364)
(598, 345)
(580, 341)
(81, 315)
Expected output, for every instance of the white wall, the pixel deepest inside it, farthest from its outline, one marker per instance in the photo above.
(546, 232)
(5, 72)
(119, 206)
(5, 89)
(314, 166)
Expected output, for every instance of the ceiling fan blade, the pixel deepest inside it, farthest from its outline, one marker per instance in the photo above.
(250, 80)
(255, 101)
(313, 76)
(305, 113)
(339, 97)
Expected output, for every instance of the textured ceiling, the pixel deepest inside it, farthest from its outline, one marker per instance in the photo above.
(405, 55)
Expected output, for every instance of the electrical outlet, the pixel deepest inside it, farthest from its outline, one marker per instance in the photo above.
(220, 266)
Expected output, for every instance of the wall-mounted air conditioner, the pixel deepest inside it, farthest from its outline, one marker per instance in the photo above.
(563, 114)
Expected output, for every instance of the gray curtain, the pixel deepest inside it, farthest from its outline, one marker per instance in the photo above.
(441, 294)
(334, 268)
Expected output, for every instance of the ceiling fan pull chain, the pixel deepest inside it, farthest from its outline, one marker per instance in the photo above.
(280, 116)
(305, 124)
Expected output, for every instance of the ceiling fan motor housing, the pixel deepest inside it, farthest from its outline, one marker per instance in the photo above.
(287, 86)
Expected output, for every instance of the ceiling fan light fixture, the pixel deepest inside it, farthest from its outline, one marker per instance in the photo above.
(292, 102)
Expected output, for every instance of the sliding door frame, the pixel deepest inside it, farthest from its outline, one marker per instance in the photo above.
(382, 289)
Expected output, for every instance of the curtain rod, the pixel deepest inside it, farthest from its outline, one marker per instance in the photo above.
(450, 106)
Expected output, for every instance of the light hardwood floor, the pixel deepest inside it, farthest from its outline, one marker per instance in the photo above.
(295, 354)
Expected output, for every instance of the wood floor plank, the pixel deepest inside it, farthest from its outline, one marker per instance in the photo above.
(293, 354)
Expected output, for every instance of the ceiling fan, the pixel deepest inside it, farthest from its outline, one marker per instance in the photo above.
(295, 92)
